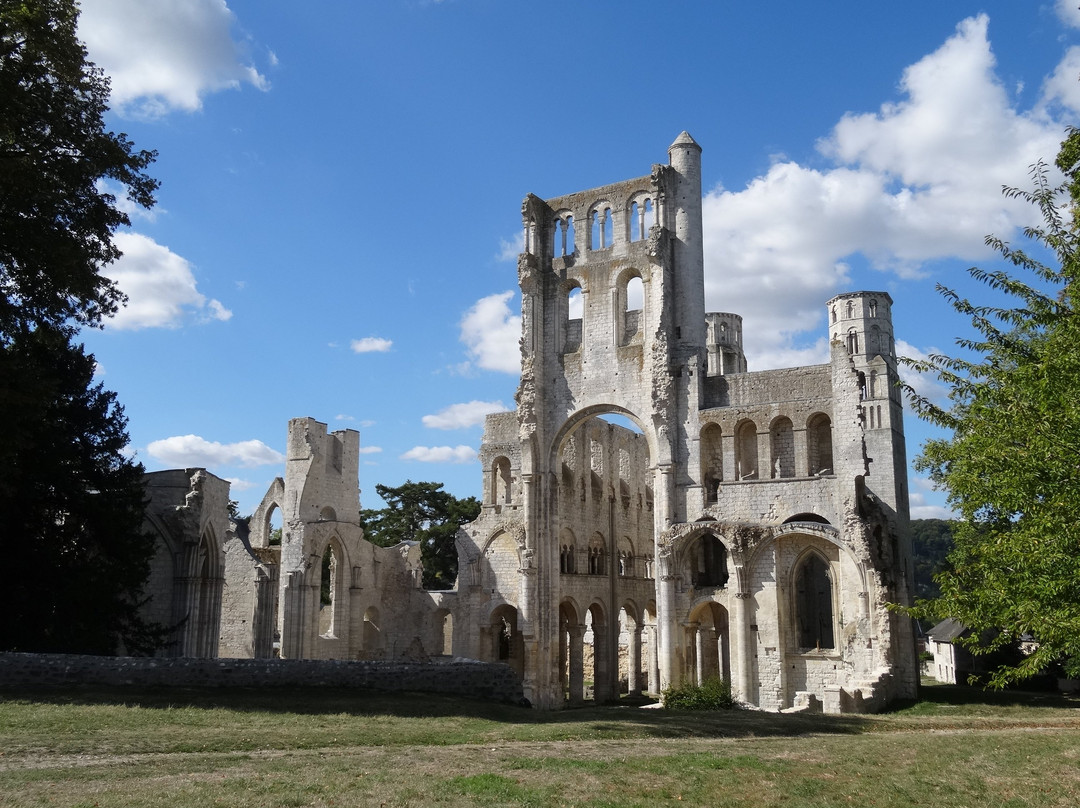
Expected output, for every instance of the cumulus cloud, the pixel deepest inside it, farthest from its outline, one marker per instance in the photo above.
(1069, 12)
(918, 180)
(924, 384)
(920, 507)
(191, 451)
(370, 449)
(159, 284)
(371, 345)
(490, 331)
(509, 249)
(167, 54)
(441, 454)
(1061, 87)
(459, 416)
(238, 484)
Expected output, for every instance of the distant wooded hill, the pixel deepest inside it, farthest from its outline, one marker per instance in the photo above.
(931, 541)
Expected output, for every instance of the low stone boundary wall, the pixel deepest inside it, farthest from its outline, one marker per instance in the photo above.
(469, 678)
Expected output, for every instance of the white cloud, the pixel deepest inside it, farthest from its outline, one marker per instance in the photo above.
(491, 333)
(926, 385)
(371, 345)
(509, 249)
(1069, 12)
(459, 416)
(370, 449)
(920, 507)
(238, 484)
(441, 454)
(159, 284)
(344, 418)
(191, 451)
(919, 511)
(166, 54)
(916, 181)
(1061, 87)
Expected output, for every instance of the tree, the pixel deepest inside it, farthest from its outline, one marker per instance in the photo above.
(422, 512)
(71, 507)
(71, 502)
(56, 218)
(1012, 464)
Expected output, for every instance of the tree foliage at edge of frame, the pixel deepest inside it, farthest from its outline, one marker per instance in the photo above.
(1012, 464)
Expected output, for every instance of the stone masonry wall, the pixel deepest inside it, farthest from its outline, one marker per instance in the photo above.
(483, 680)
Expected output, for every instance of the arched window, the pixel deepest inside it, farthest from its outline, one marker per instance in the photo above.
(782, 446)
(641, 218)
(567, 552)
(575, 309)
(597, 556)
(813, 604)
(852, 341)
(708, 562)
(746, 446)
(819, 444)
(712, 461)
(632, 298)
(327, 592)
(500, 482)
(626, 558)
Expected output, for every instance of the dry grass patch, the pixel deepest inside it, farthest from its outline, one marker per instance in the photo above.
(315, 748)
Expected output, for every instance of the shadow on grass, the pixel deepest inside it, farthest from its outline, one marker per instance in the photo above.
(606, 720)
(939, 695)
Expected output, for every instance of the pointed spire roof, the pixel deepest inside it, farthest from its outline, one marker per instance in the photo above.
(684, 139)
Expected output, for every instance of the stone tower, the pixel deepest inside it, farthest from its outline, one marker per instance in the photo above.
(751, 525)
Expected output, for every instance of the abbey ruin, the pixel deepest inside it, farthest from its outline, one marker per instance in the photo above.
(751, 525)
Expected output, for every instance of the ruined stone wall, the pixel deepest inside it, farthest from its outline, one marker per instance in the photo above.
(465, 678)
(187, 512)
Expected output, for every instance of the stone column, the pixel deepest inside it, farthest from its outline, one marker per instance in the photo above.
(802, 451)
(665, 625)
(654, 662)
(633, 671)
(699, 652)
(740, 634)
(602, 659)
(577, 664)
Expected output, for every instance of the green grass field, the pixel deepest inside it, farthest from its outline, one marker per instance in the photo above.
(956, 747)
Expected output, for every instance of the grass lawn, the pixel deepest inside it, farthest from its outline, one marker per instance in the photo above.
(956, 747)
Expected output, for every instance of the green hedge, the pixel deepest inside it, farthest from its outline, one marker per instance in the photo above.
(713, 694)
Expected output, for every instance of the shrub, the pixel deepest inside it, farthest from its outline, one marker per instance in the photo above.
(713, 694)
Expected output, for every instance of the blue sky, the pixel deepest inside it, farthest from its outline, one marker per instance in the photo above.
(339, 216)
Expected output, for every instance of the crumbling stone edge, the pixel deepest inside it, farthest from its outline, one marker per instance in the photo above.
(458, 677)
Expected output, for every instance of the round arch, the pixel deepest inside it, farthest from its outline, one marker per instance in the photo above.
(593, 411)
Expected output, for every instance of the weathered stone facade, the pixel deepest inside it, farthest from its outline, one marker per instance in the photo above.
(739, 530)
(324, 592)
(187, 514)
(751, 525)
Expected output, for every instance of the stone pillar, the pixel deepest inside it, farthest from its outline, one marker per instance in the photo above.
(665, 625)
(633, 671)
(802, 451)
(602, 659)
(699, 652)
(764, 454)
(576, 675)
(293, 615)
(654, 662)
(740, 633)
